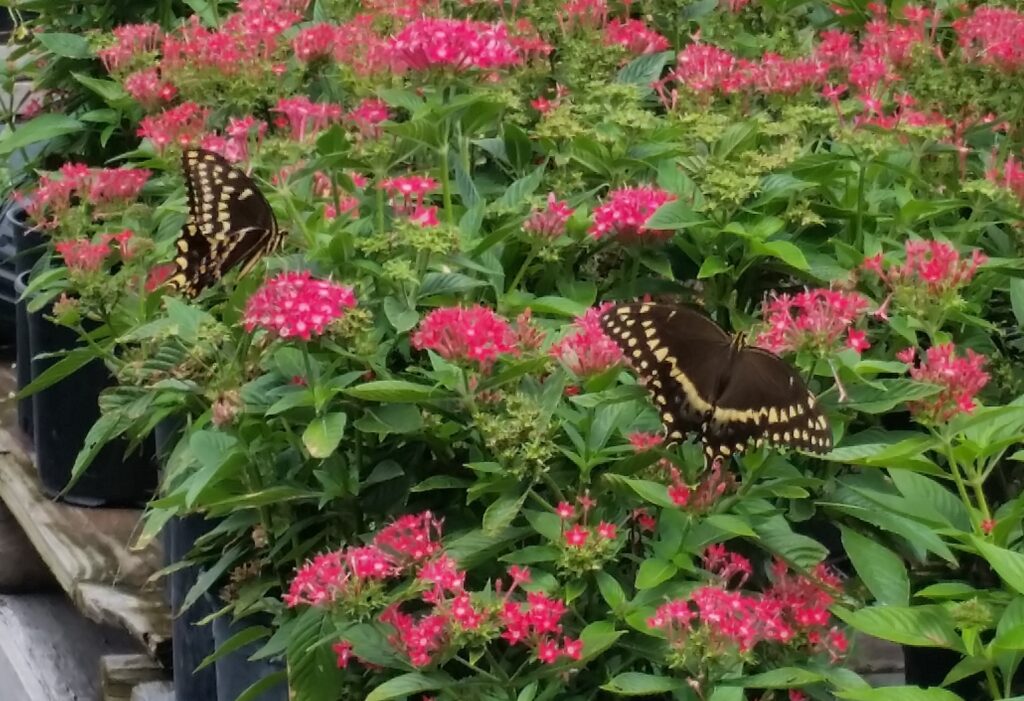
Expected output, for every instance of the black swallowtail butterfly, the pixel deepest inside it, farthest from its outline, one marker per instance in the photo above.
(229, 223)
(704, 381)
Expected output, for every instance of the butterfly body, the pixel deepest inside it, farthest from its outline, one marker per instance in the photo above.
(704, 381)
(230, 223)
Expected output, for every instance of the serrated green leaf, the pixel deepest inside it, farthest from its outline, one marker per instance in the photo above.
(502, 512)
(409, 684)
(394, 391)
(653, 572)
(41, 128)
(781, 678)
(922, 626)
(64, 44)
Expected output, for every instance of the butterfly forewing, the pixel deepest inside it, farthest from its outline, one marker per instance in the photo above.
(229, 222)
(764, 400)
(679, 354)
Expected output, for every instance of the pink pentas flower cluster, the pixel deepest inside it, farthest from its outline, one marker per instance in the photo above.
(103, 189)
(304, 118)
(634, 36)
(792, 613)
(412, 538)
(583, 14)
(341, 575)
(130, 41)
(537, 623)
(586, 350)
(468, 334)
(726, 565)
(82, 255)
(959, 378)
(704, 69)
(451, 44)
(815, 320)
(148, 89)
(643, 442)
(233, 144)
(178, 126)
(1009, 175)
(992, 36)
(549, 223)
(935, 267)
(624, 215)
(297, 305)
(407, 193)
(368, 115)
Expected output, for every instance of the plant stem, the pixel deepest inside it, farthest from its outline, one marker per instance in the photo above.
(553, 486)
(522, 269)
(961, 488)
(446, 184)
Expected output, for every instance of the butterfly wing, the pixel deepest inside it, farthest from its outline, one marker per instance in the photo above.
(679, 354)
(764, 400)
(229, 223)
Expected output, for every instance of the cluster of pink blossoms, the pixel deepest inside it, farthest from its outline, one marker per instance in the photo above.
(84, 256)
(634, 36)
(148, 89)
(793, 612)
(102, 188)
(960, 380)
(178, 126)
(233, 143)
(305, 118)
(407, 195)
(467, 334)
(577, 537)
(625, 213)
(933, 267)
(814, 320)
(586, 350)
(130, 42)
(297, 305)
(549, 223)
(411, 547)
(991, 35)
(460, 45)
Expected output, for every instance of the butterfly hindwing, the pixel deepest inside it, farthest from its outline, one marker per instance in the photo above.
(229, 222)
(680, 355)
(764, 400)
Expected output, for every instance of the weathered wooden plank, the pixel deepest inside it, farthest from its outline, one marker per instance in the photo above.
(51, 650)
(88, 550)
(120, 675)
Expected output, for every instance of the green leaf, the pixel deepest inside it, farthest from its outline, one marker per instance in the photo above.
(653, 572)
(898, 693)
(502, 512)
(394, 391)
(1017, 299)
(522, 188)
(41, 128)
(447, 284)
(637, 684)
(733, 525)
(236, 641)
(399, 315)
(888, 395)
(110, 91)
(598, 637)
(66, 45)
(781, 678)
(788, 253)
(611, 590)
(409, 684)
(210, 575)
(928, 497)
(778, 537)
(258, 689)
(922, 626)
(881, 570)
(323, 435)
(1008, 564)
(712, 265)
(644, 70)
(652, 492)
(518, 147)
(672, 216)
(390, 418)
(1012, 639)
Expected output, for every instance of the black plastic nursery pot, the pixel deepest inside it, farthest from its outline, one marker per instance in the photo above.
(62, 415)
(191, 643)
(928, 666)
(25, 249)
(235, 671)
